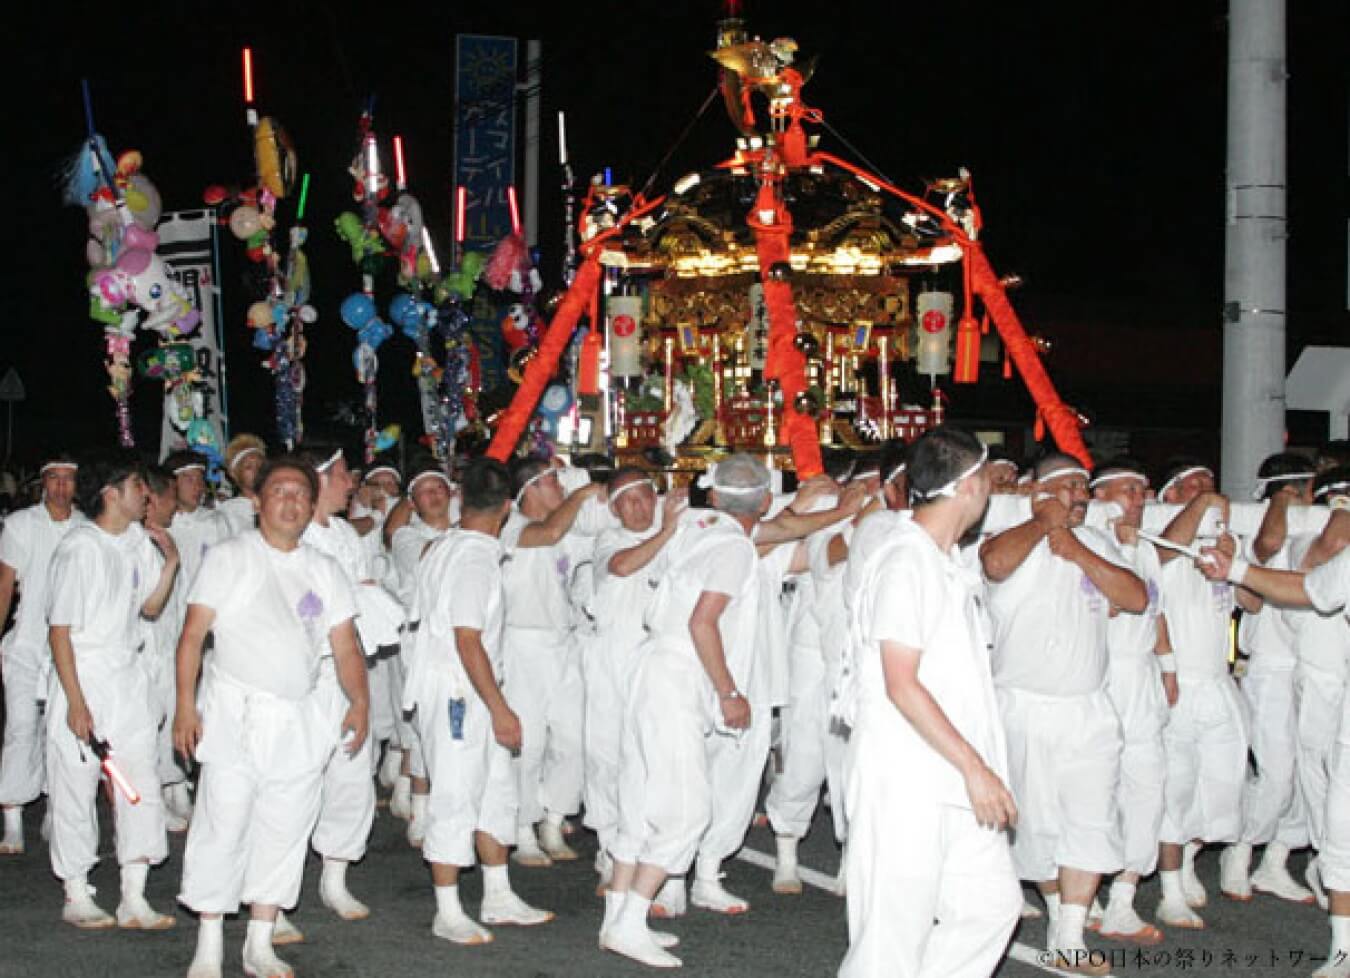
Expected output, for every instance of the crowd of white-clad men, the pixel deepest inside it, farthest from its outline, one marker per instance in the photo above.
(989, 679)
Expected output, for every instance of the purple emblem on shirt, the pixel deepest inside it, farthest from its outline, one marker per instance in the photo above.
(135, 578)
(309, 607)
(1152, 588)
(564, 565)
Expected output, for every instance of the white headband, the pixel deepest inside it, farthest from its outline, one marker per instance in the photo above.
(1024, 479)
(1184, 473)
(708, 480)
(1259, 489)
(1117, 476)
(547, 470)
(384, 468)
(1338, 488)
(895, 473)
(73, 466)
(244, 453)
(1067, 470)
(949, 489)
(430, 474)
(1003, 461)
(616, 493)
(332, 461)
(864, 474)
(190, 467)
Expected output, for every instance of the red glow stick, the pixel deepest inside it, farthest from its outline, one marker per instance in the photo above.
(515, 209)
(461, 203)
(398, 163)
(104, 753)
(248, 76)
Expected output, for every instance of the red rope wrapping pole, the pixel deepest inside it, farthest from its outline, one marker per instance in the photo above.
(784, 362)
(1059, 417)
(543, 365)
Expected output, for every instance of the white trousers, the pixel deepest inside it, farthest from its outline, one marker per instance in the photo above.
(607, 669)
(665, 787)
(930, 893)
(164, 697)
(1333, 859)
(258, 794)
(735, 769)
(347, 807)
(1318, 695)
(1272, 807)
(1064, 772)
(23, 770)
(813, 752)
(472, 784)
(542, 672)
(1135, 688)
(119, 702)
(1206, 743)
(384, 689)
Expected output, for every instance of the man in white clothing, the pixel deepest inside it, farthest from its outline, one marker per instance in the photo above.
(1054, 585)
(686, 689)
(1205, 738)
(106, 575)
(29, 539)
(468, 729)
(1326, 589)
(433, 508)
(1140, 688)
(259, 726)
(618, 607)
(541, 659)
(244, 458)
(932, 891)
(195, 527)
(1272, 808)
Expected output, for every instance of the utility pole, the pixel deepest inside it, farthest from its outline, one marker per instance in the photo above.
(1254, 242)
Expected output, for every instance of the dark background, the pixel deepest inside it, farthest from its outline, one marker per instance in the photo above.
(1095, 134)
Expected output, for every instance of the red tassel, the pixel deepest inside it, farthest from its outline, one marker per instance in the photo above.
(588, 373)
(967, 369)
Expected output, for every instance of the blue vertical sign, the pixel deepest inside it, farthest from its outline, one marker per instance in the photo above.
(485, 135)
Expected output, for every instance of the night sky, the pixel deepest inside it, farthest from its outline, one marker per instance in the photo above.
(1095, 133)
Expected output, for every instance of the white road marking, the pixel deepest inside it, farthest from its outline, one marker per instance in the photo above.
(1016, 950)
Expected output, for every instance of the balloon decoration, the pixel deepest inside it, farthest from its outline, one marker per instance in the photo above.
(280, 309)
(129, 284)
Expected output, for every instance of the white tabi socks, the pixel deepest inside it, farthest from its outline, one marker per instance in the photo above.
(1338, 959)
(207, 962)
(260, 959)
(400, 801)
(389, 772)
(12, 842)
(614, 906)
(134, 913)
(1235, 863)
(1173, 910)
(452, 923)
(627, 932)
(785, 878)
(1196, 897)
(417, 823)
(502, 906)
(80, 908)
(551, 838)
(1272, 876)
(335, 895)
(528, 852)
(708, 891)
(1121, 922)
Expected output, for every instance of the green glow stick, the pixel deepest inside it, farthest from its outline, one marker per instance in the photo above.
(304, 195)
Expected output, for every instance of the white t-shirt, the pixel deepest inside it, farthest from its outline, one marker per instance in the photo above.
(406, 547)
(924, 599)
(194, 533)
(1131, 636)
(1265, 635)
(619, 604)
(340, 541)
(1050, 622)
(460, 586)
(1199, 613)
(710, 552)
(1328, 586)
(239, 514)
(1321, 639)
(99, 581)
(29, 539)
(274, 611)
(536, 579)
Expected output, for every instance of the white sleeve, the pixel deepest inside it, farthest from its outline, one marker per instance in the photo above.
(14, 548)
(216, 578)
(1328, 586)
(903, 603)
(725, 567)
(465, 605)
(71, 583)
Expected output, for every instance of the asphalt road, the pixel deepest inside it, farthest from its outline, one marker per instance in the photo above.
(780, 937)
